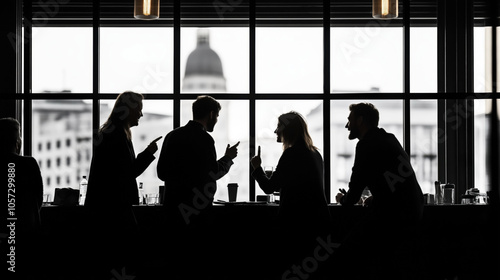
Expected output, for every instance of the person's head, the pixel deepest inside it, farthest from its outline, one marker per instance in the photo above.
(363, 117)
(292, 128)
(126, 112)
(206, 111)
(11, 135)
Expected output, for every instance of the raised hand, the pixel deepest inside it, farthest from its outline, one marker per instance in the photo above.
(256, 161)
(153, 147)
(232, 152)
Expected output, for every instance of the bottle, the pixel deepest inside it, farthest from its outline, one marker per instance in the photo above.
(438, 197)
(141, 194)
(83, 189)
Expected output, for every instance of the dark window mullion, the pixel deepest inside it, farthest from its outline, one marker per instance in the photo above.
(251, 97)
(326, 100)
(28, 102)
(95, 68)
(441, 64)
(469, 103)
(406, 78)
(177, 64)
(493, 120)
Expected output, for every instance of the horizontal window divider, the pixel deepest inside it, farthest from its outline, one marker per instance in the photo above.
(243, 22)
(262, 96)
(232, 22)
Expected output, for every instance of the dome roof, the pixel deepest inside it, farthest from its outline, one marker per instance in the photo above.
(203, 60)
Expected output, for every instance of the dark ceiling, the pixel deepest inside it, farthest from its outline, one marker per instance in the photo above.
(232, 10)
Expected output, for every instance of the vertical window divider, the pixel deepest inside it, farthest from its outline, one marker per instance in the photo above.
(493, 121)
(406, 78)
(469, 102)
(28, 99)
(95, 68)
(177, 65)
(326, 101)
(252, 98)
(18, 109)
(441, 108)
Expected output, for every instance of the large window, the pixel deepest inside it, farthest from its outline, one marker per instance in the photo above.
(259, 63)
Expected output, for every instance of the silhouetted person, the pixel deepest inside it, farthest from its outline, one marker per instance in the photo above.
(382, 165)
(303, 212)
(22, 199)
(112, 187)
(188, 164)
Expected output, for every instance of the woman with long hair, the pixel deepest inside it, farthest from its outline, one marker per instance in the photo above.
(112, 186)
(303, 210)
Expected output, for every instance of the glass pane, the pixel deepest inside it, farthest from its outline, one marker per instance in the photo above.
(289, 60)
(483, 59)
(480, 62)
(137, 59)
(266, 120)
(424, 142)
(232, 126)
(343, 149)
(482, 113)
(368, 59)
(214, 60)
(156, 121)
(62, 60)
(62, 142)
(423, 59)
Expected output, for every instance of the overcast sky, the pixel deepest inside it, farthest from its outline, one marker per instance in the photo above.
(287, 59)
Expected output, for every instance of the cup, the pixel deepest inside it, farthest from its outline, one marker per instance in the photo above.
(232, 190)
(428, 199)
(467, 199)
(269, 171)
(449, 194)
(481, 198)
(438, 189)
(276, 197)
(151, 199)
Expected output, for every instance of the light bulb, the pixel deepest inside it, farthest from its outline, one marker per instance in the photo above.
(385, 9)
(146, 9)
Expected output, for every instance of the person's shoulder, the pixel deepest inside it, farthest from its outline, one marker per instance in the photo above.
(317, 154)
(15, 159)
(188, 132)
(373, 136)
(179, 131)
(109, 134)
(387, 136)
(174, 131)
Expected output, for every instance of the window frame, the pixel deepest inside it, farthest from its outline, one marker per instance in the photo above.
(448, 94)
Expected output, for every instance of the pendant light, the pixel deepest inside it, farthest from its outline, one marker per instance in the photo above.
(385, 9)
(146, 9)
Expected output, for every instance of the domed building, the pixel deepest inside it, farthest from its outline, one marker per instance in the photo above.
(203, 68)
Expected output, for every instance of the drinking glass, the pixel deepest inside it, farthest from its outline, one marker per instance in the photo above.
(151, 199)
(269, 171)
